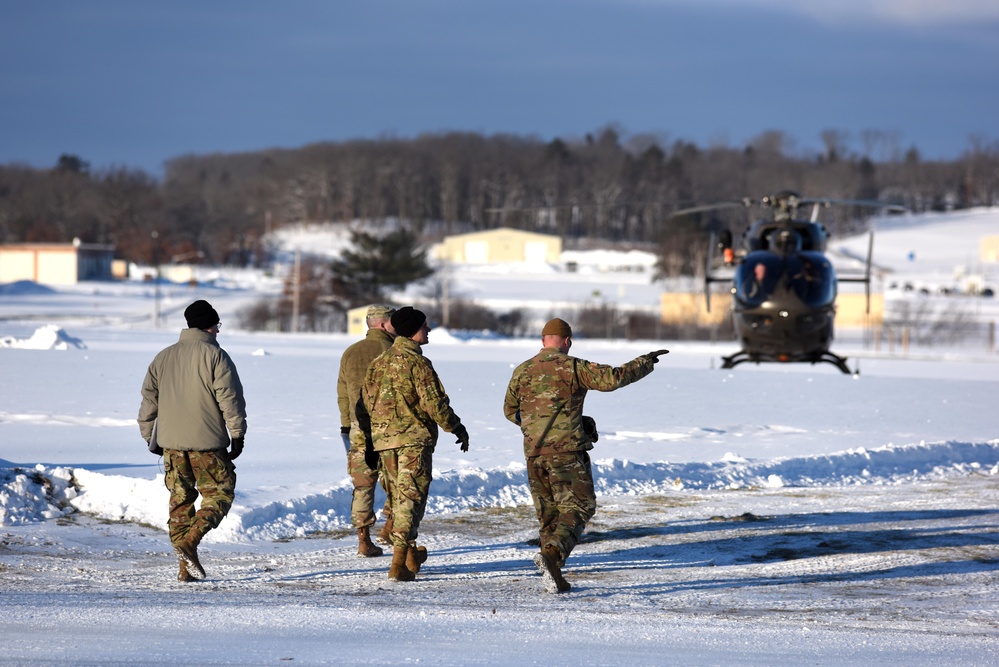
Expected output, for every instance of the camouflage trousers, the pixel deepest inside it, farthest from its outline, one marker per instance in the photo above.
(188, 473)
(365, 480)
(407, 473)
(564, 499)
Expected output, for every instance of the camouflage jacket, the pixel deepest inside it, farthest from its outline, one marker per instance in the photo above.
(404, 398)
(193, 393)
(353, 365)
(553, 383)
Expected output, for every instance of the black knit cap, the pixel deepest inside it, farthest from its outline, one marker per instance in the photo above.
(201, 315)
(407, 321)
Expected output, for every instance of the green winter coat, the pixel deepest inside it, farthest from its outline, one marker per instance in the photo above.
(194, 395)
(353, 365)
(553, 383)
(404, 398)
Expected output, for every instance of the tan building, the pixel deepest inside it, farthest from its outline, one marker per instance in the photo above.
(687, 308)
(989, 248)
(500, 246)
(690, 308)
(357, 324)
(55, 263)
(851, 310)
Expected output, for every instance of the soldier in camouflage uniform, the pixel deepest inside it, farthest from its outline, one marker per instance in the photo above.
(192, 402)
(545, 399)
(405, 402)
(353, 365)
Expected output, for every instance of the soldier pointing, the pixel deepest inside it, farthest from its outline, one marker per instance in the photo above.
(545, 399)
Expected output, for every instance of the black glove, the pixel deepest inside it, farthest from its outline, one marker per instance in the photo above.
(370, 455)
(157, 450)
(344, 430)
(654, 356)
(235, 448)
(461, 433)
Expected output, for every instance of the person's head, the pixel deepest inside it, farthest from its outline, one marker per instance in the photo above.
(201, 315)
(379, 316)
(759, 271)
(558, 334)
(411, 323)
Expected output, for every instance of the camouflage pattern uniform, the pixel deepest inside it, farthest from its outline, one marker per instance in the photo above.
(187, 472)
(406, 401)
(353, 365)
(545, 398)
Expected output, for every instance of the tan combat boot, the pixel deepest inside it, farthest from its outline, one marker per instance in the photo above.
(187, 549)
(398, 570)
(551, 573)
(385, 536)
(365, 547)
(415, 557)
(183, 574)
(188, 553)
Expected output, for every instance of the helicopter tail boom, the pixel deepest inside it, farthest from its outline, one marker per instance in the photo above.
(867, 273)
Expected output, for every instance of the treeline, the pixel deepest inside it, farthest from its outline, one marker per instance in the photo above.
(603, 188)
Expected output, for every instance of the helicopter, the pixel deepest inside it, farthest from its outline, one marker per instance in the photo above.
(783, 287)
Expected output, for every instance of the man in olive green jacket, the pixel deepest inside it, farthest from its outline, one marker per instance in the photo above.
(545, 399)
(405, 403)
(192, 404)
(353, 365)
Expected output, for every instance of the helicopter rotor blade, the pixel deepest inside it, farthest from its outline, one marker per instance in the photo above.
(708, 207)
(873, 203)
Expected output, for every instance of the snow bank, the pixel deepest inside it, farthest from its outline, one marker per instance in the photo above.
(41, 494)
(31, 495)
(24, 288)
(48, 337)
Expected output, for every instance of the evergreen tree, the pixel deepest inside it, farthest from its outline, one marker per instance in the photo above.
(377, 263)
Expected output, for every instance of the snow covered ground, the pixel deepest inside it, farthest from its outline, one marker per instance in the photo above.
(763, 515)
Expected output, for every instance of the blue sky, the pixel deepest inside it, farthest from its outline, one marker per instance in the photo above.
(133, 83)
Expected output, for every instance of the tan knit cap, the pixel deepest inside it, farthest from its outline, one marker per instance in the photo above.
(380, 311)
(557, 327)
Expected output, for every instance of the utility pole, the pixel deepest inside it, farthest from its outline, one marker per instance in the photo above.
(445, 295)
(156, 279)
(296, 290)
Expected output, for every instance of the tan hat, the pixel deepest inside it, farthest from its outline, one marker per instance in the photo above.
(557, 327)
(379, 311)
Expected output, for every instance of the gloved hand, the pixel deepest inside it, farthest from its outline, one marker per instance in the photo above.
(654, 356)
(235, 448)
(461, 433)
(157, 450)
(344, 430)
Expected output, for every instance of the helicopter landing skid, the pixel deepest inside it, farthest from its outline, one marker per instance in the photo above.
(734, 360)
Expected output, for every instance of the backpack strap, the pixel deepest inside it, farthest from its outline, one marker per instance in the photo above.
(548, 426)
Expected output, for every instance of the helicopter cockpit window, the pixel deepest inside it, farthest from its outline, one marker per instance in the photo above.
(756, 278)
(811, 278)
